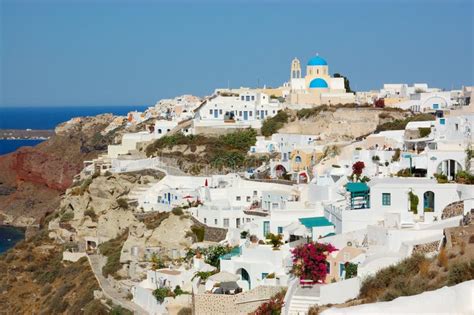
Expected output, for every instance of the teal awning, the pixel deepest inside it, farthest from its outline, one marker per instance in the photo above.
(315, 221)
(357, 187)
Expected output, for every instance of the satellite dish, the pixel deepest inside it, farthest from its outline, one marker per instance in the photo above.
(349, 243)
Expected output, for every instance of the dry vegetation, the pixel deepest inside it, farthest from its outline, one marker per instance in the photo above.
(48, 285)
(452, 265)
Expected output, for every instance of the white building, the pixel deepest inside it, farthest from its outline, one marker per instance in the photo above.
(231, 110)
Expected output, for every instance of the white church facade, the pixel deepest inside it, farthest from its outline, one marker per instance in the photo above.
(317, 87)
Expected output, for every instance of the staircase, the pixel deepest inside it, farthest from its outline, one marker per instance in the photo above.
(303, 299)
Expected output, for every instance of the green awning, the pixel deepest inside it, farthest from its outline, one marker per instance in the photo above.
(357, 187)
(315, 221)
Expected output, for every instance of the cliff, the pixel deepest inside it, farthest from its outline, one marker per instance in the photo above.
(33, 178)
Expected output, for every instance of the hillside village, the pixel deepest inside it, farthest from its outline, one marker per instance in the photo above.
(292, 199)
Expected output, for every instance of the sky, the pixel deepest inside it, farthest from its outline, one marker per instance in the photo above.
(73, 52)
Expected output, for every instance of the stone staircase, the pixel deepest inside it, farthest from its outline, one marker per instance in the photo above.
(303, 299)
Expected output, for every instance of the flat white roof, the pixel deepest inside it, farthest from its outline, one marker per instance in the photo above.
(401, 181)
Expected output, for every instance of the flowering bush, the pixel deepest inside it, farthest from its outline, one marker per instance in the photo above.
(309, 261)
(357, 169)
(273, 306)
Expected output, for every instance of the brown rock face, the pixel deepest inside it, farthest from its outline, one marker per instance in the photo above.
(32, 179)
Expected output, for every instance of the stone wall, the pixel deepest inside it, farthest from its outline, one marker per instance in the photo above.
(426, 248)
(242, 303)
(453, 209)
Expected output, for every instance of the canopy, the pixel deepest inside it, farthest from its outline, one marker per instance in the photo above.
(224, 276)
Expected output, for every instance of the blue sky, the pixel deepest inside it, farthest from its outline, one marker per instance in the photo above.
(136, 52)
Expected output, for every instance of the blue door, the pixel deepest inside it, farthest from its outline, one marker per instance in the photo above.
(216, 112)
(246, 115)
(262, 114)
(169, 198)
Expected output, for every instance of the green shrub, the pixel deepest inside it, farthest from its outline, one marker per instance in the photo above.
(177, 211)
(199, 232)
(271, 125)
(424, 131)
(351, 270)
(413, 202)
(112, 249)
(161, 293)
(441, 178)
(461, 272)
(463, 177)
(400, 124)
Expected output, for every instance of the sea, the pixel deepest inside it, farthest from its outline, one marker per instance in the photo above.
(42, 118)
(9, 236)
(45, 117)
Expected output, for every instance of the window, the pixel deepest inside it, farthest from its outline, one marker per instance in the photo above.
(159, 131)
(205, 220)
(386, 199)
(264, 275)
(242, 97)
(220, 111)
(215, 221)
(280, 230)
(210, 111)
(253, 98)
(240, 113)
(266, 228)
(248, 219)
(237, 198)
(435, 106)
(226, 222)
(248, 198)
(250, 113)
(442, 121)
(247, 98)
(254, 192)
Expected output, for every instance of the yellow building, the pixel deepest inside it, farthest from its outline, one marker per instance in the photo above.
(303, 159)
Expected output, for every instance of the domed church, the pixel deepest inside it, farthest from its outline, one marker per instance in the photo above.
(317, 87)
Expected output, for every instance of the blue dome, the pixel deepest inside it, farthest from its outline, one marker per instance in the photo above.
(317, 61)
(318, 83)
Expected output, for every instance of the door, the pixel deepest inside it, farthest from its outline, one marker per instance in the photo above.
(246, 115)
(237, 222)
(266, 228)
(216, 113)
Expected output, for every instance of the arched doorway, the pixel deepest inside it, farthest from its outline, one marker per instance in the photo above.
(449, 168)
(280, 170)
(244, 275)
(428, 201)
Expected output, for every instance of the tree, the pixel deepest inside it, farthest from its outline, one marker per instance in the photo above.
(309, 261)
(275, 240)
(351, 270)
(347, 84)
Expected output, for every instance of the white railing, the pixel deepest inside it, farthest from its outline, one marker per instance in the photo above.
(292, 286)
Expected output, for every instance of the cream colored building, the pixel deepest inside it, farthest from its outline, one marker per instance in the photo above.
(317, 87)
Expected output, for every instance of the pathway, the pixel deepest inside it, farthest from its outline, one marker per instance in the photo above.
(97, 262)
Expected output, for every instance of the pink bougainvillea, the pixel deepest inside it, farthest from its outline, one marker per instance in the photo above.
(309, 261)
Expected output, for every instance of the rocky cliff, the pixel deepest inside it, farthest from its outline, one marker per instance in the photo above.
(33, 178)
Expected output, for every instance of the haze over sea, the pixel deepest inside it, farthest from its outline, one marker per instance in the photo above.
(48, 118)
